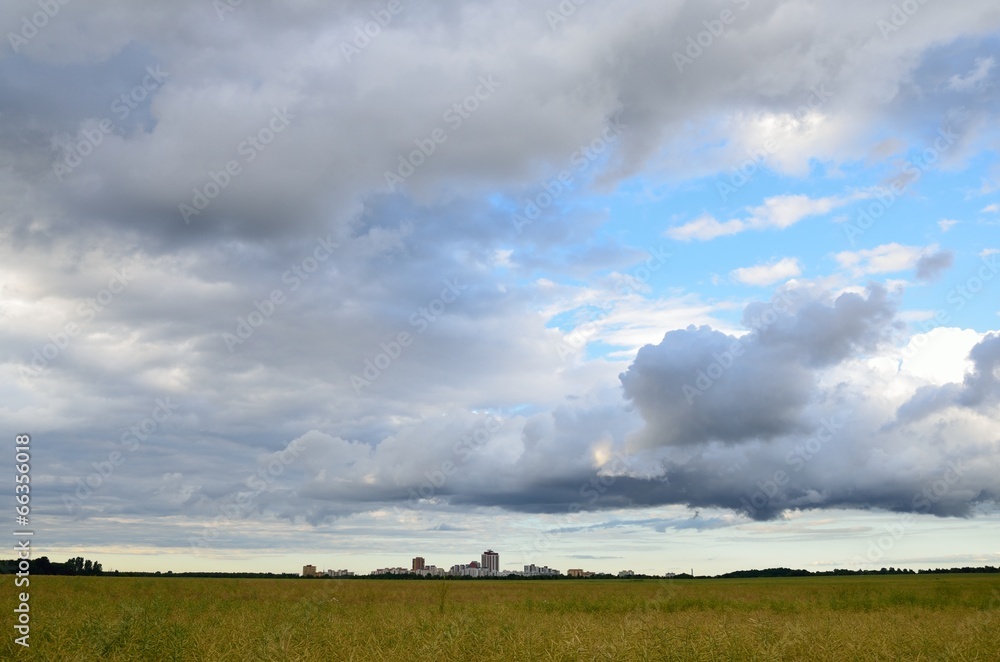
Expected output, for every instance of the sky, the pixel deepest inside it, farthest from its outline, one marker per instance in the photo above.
(660, 286)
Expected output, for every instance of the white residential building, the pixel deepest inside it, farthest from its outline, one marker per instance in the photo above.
(533, 570)
(431, 571)
(339, 573)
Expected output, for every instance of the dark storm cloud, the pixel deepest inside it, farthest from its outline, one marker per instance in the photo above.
(700, 385)
(681, 407)
(842, 464)
(832, 451)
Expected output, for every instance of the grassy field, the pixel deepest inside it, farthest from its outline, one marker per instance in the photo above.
(908, 617)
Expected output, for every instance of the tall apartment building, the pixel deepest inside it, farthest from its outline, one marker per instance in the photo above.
(418, 563)
(491, 561)
(308, 571)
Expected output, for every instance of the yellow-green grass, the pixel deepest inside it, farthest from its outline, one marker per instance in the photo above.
(908, 617)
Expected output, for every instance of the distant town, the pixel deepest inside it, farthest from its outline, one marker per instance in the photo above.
(487, 566)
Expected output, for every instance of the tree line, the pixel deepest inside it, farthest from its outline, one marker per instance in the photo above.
(43, 566)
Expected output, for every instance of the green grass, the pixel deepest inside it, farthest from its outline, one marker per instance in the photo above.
(909, 617)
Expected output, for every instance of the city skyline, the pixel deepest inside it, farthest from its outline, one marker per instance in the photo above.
(487, 567)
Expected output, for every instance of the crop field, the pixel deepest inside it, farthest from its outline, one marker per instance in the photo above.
(908, 617)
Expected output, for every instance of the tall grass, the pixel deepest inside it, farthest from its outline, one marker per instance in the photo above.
(928, 617)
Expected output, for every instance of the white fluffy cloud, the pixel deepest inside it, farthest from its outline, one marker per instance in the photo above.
(778, 212)
(893, 258)
(768, 274)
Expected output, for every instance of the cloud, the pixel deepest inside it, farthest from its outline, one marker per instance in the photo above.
(932, 265)
(768, 274)
(979, 390)
(442, 526)
(946, 224)
(835, 450)
(973, 79)
(786, 210)
(777, 212)
(929, 262)
(889, 258)
(657, 524)
(675, 387)
(818, 429)
(815, 438)
(704, 228)
(991, 208)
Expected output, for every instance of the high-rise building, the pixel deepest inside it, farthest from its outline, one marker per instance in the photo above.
(418, 563)
(308, 571)
(491, 561)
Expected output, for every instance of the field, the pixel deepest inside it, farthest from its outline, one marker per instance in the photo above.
(908, 617)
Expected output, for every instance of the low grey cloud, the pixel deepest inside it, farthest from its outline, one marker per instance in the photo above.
(929, 267)
(829, 448)
(700, 385)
